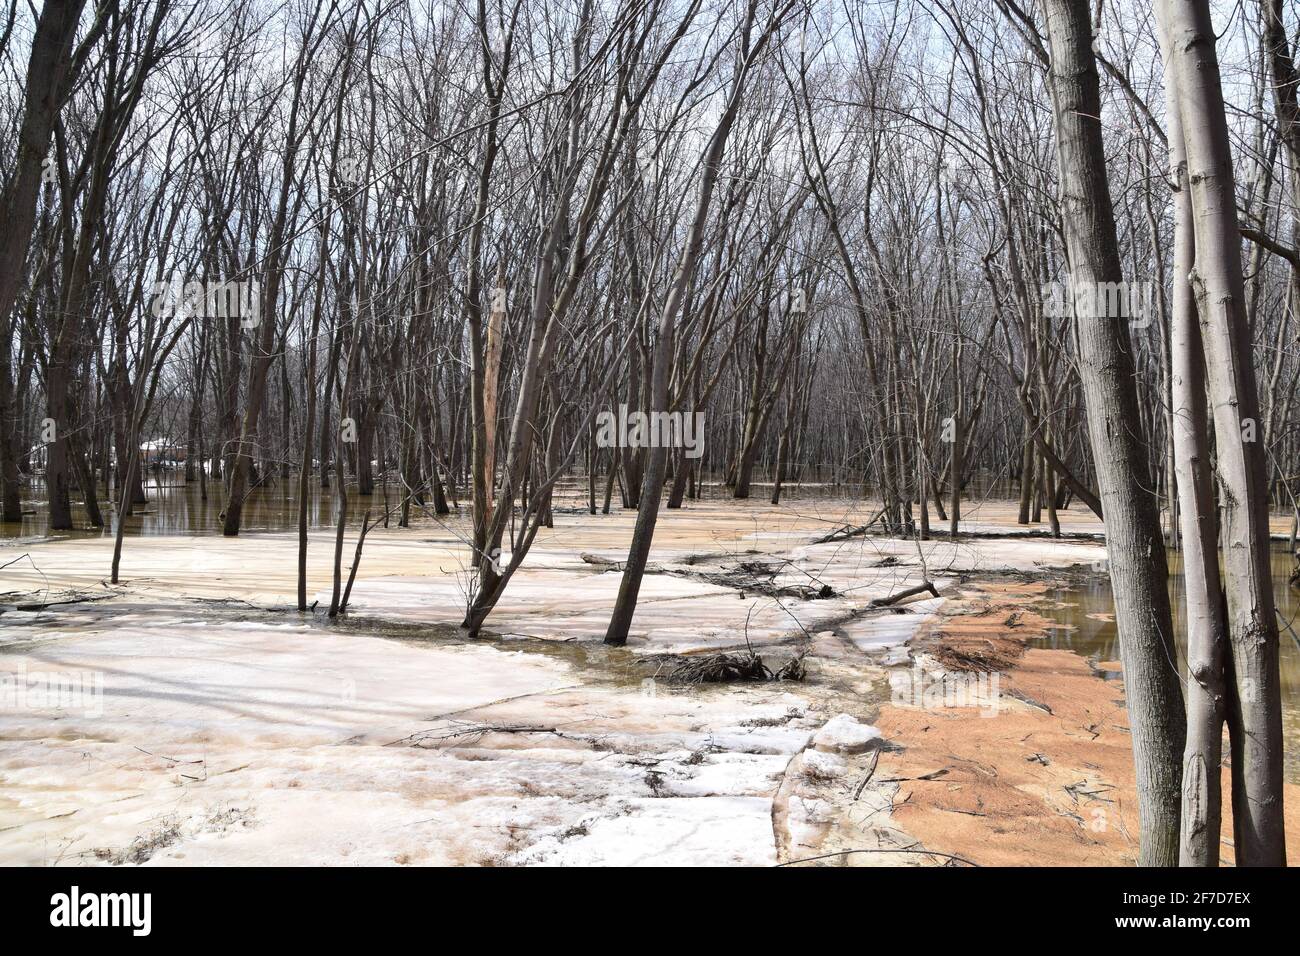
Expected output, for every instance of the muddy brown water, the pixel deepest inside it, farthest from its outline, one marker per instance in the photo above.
(1085, 616)
(175, 507)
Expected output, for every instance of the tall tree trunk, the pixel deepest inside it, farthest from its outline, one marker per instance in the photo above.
(309, 425)
(1197, 522)
(657, 457)
(1027, 458)
(57, 463)
(11, 508)
(49, 75)
(955, 463)
(1134, 544)
(1220, 292)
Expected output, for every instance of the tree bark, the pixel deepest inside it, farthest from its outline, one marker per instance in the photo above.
(1197, 522)
(49, 75)
(1134, 544)
(1220, 291)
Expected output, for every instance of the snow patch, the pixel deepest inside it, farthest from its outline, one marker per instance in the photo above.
(846, 735)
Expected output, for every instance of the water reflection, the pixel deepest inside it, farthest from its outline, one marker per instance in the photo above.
(1087, 615)
(177, 507)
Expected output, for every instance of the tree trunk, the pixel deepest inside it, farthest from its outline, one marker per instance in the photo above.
(11, 508)
(48, 79)
(1134, 543)
(1220, 291)
(657, 457)
(1197, 521)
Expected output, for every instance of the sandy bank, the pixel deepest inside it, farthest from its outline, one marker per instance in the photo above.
(1045, 777)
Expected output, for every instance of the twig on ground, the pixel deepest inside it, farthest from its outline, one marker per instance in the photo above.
(827, 856)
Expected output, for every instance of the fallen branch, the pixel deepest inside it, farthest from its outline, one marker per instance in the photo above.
(41, 606)
(901, 595)
(423, 737)
(1026, 699)
(827, 856)
(849, 531)
(932, 775)
(871, 772)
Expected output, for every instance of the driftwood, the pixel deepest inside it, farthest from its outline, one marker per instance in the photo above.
(43, 605)
(902, 595)
(1026, 699)
(752, 577)
(871, 772)
(606, 564)
(427, 739)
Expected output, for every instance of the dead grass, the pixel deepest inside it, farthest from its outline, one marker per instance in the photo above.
(169, 831)
(143, 846)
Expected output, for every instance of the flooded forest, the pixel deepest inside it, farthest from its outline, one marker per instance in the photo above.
(814, 433)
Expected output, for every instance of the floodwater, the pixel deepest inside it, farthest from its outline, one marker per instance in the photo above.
(177, 507)
(1086, 614)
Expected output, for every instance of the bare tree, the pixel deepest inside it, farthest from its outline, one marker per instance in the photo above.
(1255, 711)
(1134, 544)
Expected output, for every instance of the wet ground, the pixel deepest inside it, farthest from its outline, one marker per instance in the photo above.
(1085, 613)
(231, 729)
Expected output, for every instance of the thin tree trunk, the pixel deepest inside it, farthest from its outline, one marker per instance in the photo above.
(1206, 626)
(657, 457)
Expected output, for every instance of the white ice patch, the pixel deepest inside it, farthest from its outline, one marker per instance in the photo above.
(288, 745)
(846, 735)
(823, 766)
(682, 831)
